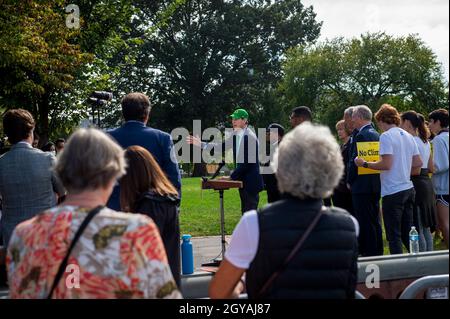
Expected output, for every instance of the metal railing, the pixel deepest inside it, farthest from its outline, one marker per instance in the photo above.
(359, 295)
(426, 282)
(392, 268)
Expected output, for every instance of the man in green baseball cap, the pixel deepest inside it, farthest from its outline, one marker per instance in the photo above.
(239, 114)
(239, 120)
(245, 156)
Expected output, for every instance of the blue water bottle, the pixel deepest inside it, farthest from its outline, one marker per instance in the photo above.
(187, 255)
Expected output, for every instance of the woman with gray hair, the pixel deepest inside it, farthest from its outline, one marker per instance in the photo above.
(295, 247)
(81, 249)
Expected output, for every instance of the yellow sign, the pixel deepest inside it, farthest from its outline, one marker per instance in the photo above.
(370, 152)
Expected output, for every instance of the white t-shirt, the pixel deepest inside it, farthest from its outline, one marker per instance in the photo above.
(244, 242)
(401, 145)
(424, 150)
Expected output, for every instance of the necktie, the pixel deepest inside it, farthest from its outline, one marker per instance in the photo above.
(238, 144)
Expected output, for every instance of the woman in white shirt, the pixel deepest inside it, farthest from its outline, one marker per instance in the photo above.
(399, 156)
(424, 214)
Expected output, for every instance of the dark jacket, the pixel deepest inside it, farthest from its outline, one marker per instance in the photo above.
(270, 181)
(362, 184)
(247, 161)
(345, 150)
(164, 212)
(326, 265)
(157, 142)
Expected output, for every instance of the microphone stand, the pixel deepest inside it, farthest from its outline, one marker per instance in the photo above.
(216, 262)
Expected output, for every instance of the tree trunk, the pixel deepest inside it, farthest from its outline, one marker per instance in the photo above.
(43, 108)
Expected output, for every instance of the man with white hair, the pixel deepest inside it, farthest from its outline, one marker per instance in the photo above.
(348, 122)
(365, 188)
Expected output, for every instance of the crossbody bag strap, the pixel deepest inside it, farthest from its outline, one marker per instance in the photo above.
(291, 255)
(75, 239)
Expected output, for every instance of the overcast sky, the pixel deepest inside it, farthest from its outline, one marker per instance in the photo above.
(350, 18)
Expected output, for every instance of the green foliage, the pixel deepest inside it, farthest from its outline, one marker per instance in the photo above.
(105, 27)
(51, 69)
(201, 59)
(373, 69)
(196, 58)
(37, 51)
(200, 214)
(213, 55)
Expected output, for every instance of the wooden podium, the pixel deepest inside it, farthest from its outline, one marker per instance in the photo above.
(221, 186)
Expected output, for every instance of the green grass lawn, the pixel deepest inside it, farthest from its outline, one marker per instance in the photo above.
(200, 211)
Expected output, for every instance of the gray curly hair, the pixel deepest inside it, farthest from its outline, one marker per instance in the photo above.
(308, 162)
(90, 160)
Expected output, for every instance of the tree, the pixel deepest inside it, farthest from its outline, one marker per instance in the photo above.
(104, 34)
(213, 55)
(107, 34)
(51, 69)
(193, 57)
(37, 55)
(374, 69)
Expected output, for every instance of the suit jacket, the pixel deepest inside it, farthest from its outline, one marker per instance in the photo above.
(27, 185)
(362, 184)
(157, 142)
(247, 161)
(345, 152)
(269, 178)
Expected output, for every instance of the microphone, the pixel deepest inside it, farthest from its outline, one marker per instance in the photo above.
(102, 95)
(222, 164)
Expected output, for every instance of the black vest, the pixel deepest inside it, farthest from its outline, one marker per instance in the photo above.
(324, 267)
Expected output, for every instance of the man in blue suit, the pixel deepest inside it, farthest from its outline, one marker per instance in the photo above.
(245, 157)
(365, 189)
(136, 111)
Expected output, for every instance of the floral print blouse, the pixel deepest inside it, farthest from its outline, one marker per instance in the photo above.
(119, 255)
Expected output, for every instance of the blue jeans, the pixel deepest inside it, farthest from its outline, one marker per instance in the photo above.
(425, 237)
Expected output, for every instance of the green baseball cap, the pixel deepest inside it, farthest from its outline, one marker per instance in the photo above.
(239, 114)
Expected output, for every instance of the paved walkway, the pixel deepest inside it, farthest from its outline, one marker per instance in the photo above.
(206, 249)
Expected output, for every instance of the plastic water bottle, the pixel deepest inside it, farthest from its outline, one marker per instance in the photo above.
(187, 255)
(413, 241)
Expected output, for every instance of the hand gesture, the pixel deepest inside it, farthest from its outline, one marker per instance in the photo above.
(194, 140)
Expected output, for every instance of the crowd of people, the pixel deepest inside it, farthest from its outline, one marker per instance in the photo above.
(109, 204)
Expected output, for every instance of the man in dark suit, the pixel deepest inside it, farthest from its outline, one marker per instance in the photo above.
(245, 157)
(275, 133)
(299, 115)
(365, 188)
(136, 111)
